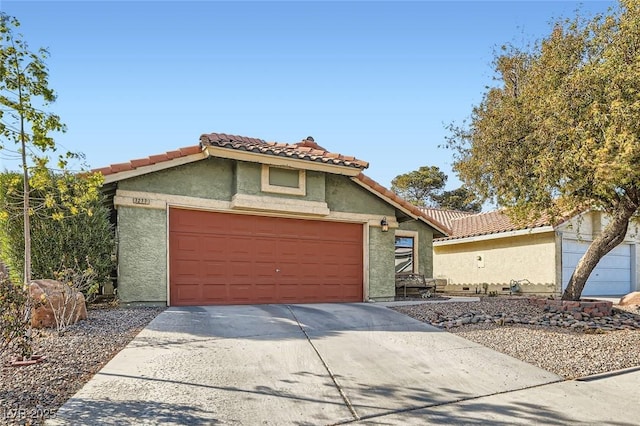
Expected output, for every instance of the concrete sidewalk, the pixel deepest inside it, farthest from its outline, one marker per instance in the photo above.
(612, 400)
(310, 364)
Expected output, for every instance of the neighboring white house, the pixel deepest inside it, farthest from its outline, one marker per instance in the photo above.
(485, 251)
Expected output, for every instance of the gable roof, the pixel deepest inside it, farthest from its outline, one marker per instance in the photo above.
(218, 144)
(490, 223)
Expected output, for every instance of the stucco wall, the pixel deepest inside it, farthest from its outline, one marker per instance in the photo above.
(530, 256)
(344, 195)
(211, 178)
(381, 265)
(425, 249)
(142, 255)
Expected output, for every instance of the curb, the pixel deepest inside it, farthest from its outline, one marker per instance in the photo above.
(608, 374)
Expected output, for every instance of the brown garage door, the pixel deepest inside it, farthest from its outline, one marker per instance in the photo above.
(221, 258)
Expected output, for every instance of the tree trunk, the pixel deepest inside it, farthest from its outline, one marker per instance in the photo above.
(613, 234)
(26, 219)
(26, 202)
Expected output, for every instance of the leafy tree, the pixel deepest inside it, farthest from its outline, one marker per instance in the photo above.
(460, 199)
(420, 186)
(560, 133)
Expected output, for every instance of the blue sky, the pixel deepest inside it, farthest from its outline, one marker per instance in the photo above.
(377, 80)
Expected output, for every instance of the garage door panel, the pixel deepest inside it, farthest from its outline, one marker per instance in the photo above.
(579, 247)
(188, 244)
(288, 255)
(240, 247)
(212, 245)
(241, 291)
(310, 270)
(615, 261)
(214, 271)
(297, 229)
(262, 248)
(185, 269)
(223, 258)
(189, 291)
(612, 275)
(215, 292)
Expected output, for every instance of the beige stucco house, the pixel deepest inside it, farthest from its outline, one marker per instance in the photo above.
(237, 220)
(486, 251)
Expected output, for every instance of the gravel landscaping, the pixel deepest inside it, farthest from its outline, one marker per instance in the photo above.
(29, 395)
(514, 327)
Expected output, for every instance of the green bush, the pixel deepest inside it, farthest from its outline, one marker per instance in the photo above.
(63, 234)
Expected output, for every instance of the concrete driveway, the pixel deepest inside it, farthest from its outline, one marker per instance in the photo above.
(305, 364)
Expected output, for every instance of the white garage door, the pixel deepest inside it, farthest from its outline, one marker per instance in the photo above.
(612, 276)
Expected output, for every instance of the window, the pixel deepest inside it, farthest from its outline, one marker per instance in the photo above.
(405, 254)
(281, 180)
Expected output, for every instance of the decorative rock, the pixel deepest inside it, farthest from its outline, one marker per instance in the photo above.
(532, 312)
(586, 306)
(630, 299)
(55, 296)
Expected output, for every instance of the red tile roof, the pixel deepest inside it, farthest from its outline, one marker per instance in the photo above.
(148, 161)
(445, 216)
(416, 211)
(493, 222)
(307, 149)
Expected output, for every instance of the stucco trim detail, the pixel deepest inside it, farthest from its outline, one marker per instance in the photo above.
(293, 163)
(540, 230)
(161, 201)
(273, 204)
(267, 187)
(168, 260)
(365, 263)
(115, 177)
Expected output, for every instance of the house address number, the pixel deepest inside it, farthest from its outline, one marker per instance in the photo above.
(144, 201)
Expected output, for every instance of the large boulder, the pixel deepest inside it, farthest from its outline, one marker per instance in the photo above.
(630, 299)
(54, 297)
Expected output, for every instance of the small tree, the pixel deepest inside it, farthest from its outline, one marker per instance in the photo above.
(560, 132)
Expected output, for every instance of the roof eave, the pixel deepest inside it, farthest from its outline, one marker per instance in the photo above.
(143, 170)
(493, 236)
